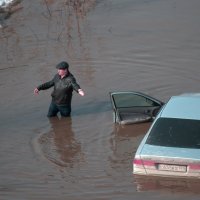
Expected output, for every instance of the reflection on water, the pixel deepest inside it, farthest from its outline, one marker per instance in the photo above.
(56, 30)
(59, 144)
(130, 134)
(7, 10)
(164, 184)
(65, 24)
(124, 143)
(132, 130)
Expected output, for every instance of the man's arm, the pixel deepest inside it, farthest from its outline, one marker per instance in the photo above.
(44, 86)
(76, 86)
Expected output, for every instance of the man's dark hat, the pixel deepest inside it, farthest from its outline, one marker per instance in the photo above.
(62, 65)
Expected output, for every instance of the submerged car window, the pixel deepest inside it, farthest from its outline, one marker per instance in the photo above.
(172, 132)
(130, 100)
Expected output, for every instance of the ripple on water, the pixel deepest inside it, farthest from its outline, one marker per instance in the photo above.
(59, 144)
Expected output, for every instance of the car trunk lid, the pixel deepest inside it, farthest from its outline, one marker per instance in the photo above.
(168, 161)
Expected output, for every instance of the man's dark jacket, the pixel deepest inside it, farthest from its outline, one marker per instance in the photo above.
(63, 88)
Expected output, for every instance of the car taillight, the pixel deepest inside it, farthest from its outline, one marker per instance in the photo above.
(194, 166)
(137, 162)
(139, 165)
(140, 162)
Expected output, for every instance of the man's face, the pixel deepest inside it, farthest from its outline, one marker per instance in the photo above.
(62, 72)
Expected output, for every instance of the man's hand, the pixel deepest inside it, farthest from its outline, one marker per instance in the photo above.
(36, 91)
(80, 91)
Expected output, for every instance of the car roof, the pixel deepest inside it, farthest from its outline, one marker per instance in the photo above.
(185, 106)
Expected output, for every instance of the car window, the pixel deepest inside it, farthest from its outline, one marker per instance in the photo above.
(131, 100)
(172, 132)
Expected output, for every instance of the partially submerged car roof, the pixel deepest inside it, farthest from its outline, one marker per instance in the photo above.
(185, 106)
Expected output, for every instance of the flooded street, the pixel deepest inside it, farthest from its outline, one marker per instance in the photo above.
(111, 45)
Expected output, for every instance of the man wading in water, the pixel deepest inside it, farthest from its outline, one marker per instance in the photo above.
(64, 83)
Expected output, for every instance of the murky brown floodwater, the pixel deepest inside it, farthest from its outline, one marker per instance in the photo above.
(148, 46)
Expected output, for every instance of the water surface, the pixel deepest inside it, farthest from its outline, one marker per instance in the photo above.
(147, 46)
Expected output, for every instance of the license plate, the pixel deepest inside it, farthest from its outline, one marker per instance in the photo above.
(174, 168)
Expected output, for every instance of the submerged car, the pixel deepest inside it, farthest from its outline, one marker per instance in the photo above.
(171, 147)
(131, 107)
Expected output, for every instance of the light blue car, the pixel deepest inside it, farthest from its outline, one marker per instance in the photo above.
(171, 147)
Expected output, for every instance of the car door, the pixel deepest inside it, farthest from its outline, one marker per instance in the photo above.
(133, 107)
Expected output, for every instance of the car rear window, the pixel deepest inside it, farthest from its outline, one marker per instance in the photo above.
(172, 132)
